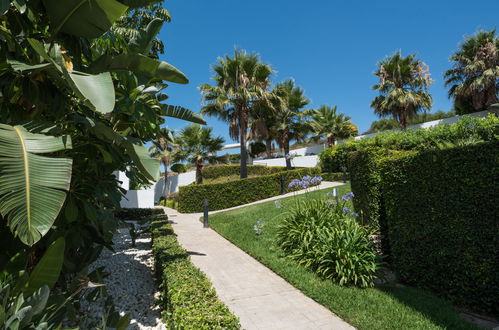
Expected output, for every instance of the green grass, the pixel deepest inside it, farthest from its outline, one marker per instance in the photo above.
(383, 307)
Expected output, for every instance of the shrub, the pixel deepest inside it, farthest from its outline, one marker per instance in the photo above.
(442, 209)
(327, 239)
(467, 129)
(188, 298)
(171, 203)
(338, 176)
(136, 213)
(237, 192)
(173, 196)
(217, 171)
(178, 168)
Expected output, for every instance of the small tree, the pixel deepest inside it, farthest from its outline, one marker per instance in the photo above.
(326, 122)
(162, 149)
(196, 145)
(403, 86)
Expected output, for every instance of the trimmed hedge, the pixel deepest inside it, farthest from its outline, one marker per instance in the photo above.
(442, 210)
(466, 129)
(188, 298)
(228, 194)
(217, 171)
(136, 213)
(338, 176)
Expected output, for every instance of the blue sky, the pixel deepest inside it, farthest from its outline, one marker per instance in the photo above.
(330, 47)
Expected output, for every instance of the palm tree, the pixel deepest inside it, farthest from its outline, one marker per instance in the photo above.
(403, 86)
(262, 125)
(196, 145)
(474, 77)
(241, 82)
(326, 122)
(289, 120)
(162, 149)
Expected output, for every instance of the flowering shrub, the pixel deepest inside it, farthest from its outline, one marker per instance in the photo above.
(305, 182)
(324, 236)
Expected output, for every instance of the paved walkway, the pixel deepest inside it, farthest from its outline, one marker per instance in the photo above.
(259, 297)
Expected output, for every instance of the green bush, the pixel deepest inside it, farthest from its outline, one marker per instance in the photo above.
(217, 171)
(171, 203)
(188, 298)
(178, 168)
(327, 239)
(228, 194)
(466, 130)
(338, 176)
(136, 213)
(442, 209)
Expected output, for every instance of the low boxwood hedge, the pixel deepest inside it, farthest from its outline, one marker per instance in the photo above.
(188, 298)
(442, 212)
(338, 176)
(217, 171)
(228, 194)
(136, 213)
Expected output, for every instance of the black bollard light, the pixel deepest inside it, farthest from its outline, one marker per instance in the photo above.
(283, 188)
(344, 174)
(205, 215)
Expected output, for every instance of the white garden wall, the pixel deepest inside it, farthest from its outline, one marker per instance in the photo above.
(303, 161)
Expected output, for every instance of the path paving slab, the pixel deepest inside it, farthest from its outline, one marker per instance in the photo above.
(258, 296)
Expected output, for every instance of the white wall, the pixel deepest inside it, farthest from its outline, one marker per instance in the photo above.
(138, 198)
(174, 182)
(303, 161)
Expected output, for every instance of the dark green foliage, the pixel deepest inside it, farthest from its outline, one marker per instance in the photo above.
(224, 195)
(178, 168)
(329, 241)
(256, 148)
(338, 176)
(442, 208)
(217, 171)
(390, 123)
(466, 130)
(188, 298)
(137, 213)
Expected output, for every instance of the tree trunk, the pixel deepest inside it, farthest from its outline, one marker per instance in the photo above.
(244, 151)
(330, 141)
(268, 147)
(199, 173)
(286, 153)
(165, 182)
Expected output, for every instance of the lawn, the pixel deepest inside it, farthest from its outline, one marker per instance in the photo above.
(383, 307)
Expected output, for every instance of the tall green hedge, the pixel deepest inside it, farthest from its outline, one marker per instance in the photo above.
(442, 210)
(217, 171)
(188, 298)
(467, 129)
(228, 194)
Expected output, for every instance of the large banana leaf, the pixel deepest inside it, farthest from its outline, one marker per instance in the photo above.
(139, 64)
(49, 267)
(179, 112)
(142, 42)
(83, 18)
(32, 187)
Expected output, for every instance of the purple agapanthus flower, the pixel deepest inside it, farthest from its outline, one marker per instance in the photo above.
(316, 180)
(307, 178)
(355, 215)
(346, 210)
(347, 196)
(295, 183)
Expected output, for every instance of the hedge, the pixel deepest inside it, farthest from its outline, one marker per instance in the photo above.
(466, 129)
(228, 194)
(217, 171)
(338, 176)
(136, 213)
(442, 211)
(187, 296)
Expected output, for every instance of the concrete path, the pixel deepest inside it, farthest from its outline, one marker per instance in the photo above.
(259, 297)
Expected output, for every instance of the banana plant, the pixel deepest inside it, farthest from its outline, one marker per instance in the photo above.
(33, 187)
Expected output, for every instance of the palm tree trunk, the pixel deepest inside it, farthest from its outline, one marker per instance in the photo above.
(244, 151)
(268, 147)
(330, 141)
(165, 182)
(286, 153)
(199, 173)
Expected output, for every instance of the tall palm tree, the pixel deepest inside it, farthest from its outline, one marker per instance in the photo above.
(290, 123)
(196, 145)
(327, 122)
(241, 82)
(263, 124)
(474, 77)
(162, 148)
(403, 86)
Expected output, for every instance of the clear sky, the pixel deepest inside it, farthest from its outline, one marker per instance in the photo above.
(329, 47)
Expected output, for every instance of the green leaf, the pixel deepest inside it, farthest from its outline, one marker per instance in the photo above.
(148, 166)
(32, 187)
(142, 42)
(20, 66)
(37, 302)
(179, 112)
(83, 18)
(4, 6)
(97, 91)
(49, 267)
(139, 64)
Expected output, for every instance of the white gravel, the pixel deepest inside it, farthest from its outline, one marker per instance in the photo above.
(130, 282)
